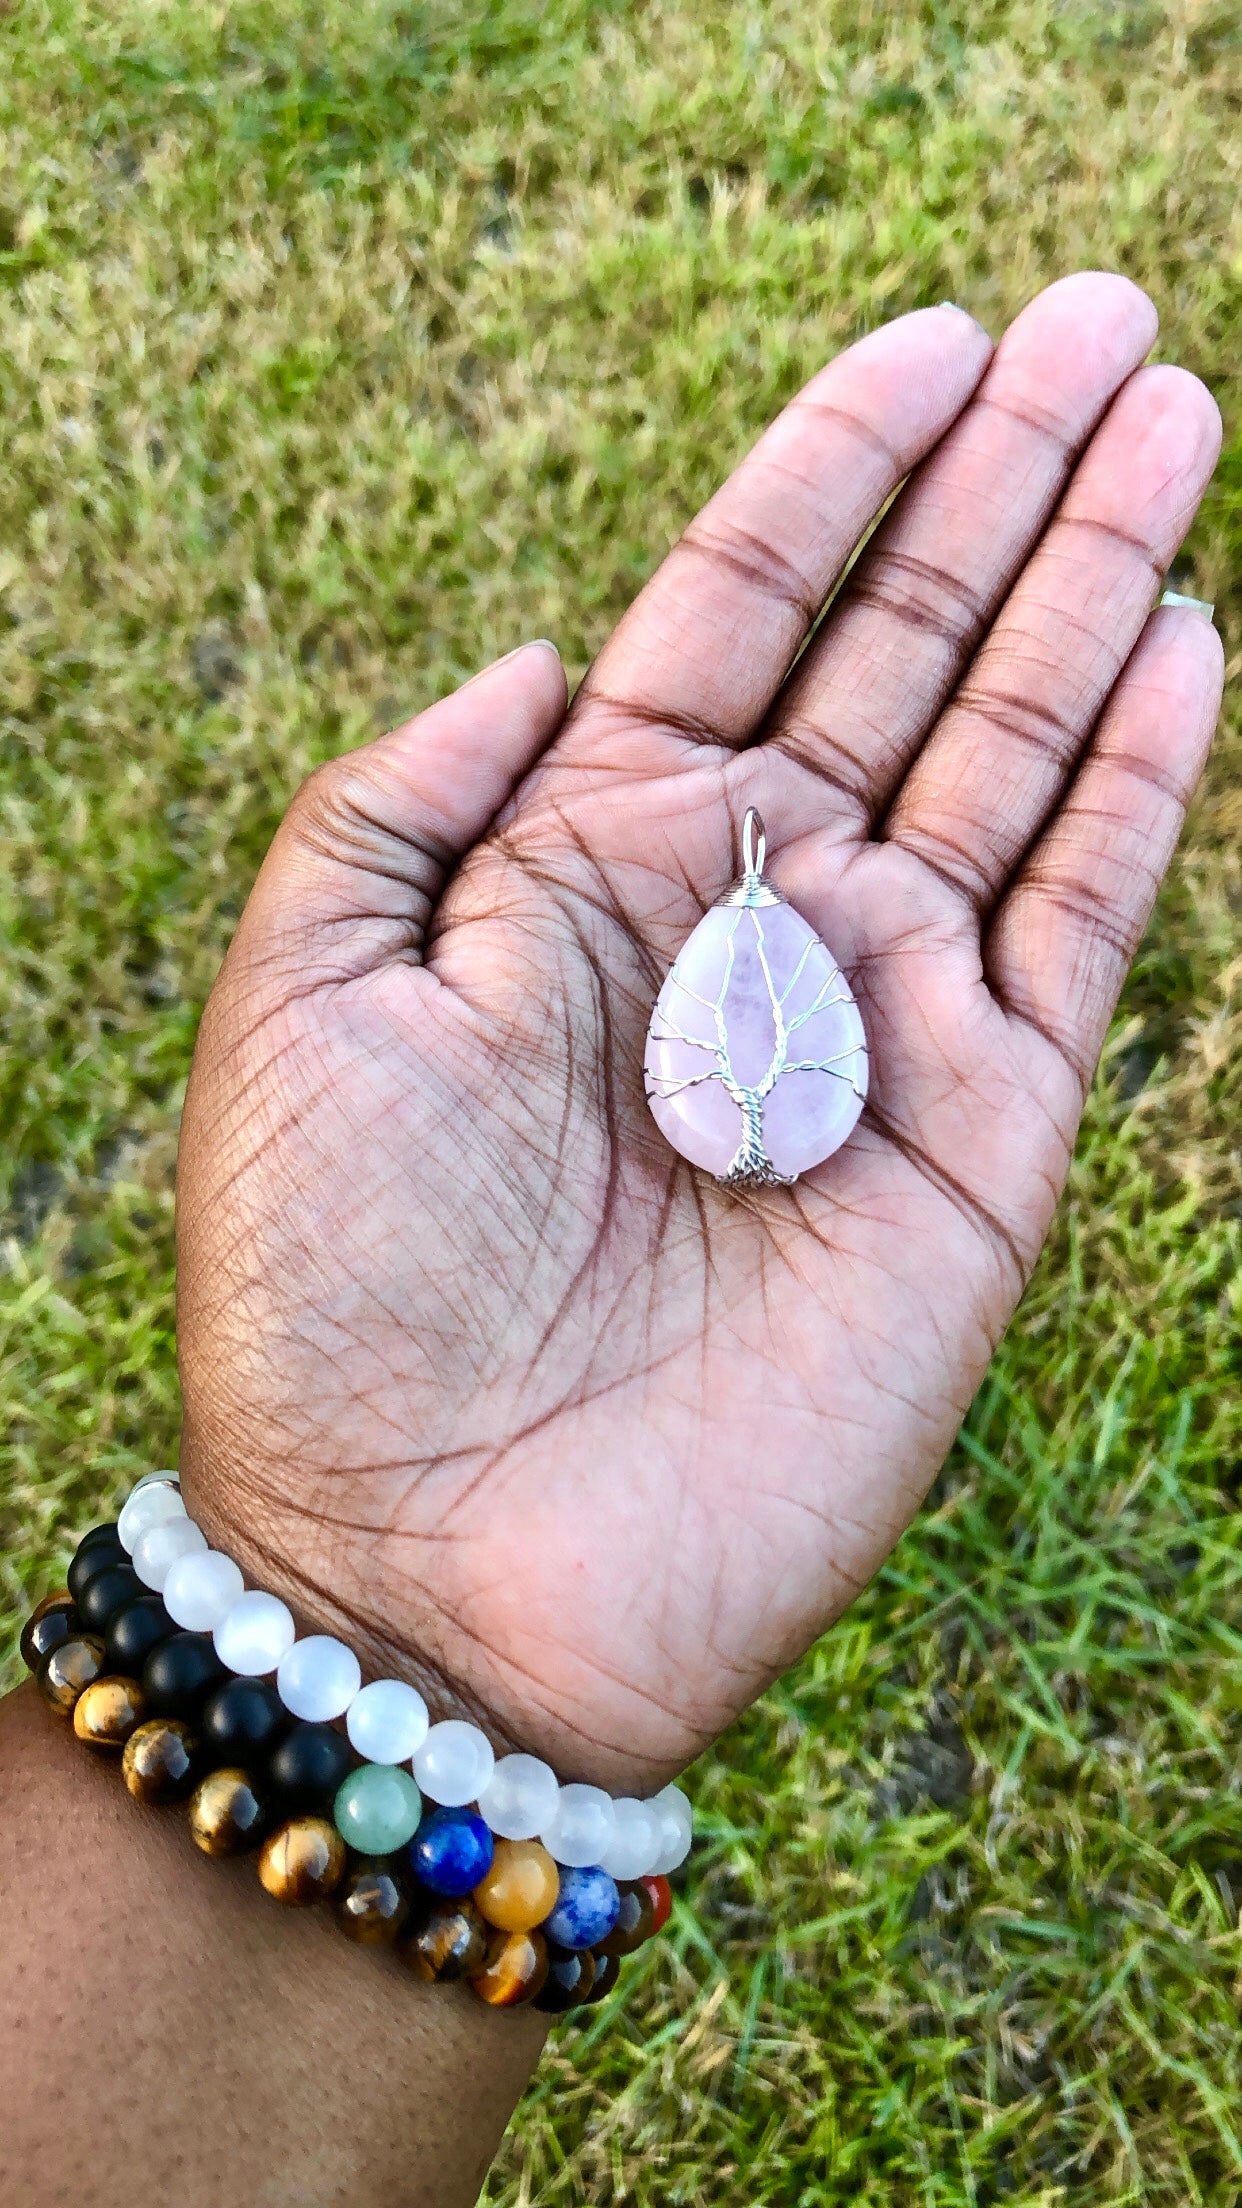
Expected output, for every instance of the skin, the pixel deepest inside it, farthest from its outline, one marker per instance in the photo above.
(476, 1370)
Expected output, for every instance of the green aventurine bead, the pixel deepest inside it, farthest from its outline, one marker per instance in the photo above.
(378, 1808)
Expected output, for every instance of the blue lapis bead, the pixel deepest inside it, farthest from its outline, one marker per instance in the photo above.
(451, 1851)
(587, 1907)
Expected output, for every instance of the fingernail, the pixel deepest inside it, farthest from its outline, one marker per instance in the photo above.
(1196, 605)
(505, 657)
(528, 646)
(965, 313)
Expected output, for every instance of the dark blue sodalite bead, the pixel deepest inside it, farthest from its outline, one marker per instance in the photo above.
(587, 1907)
(451, 1851)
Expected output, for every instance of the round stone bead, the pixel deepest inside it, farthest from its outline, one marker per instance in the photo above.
(587, 1907)
(580, 1828)
(635, 1923)
(156, 1479)
(635, 1839)
(571, 1975)
(255, 1633)
(54, 1621)
(302, 1861)
(372, 1907)
(106, 1593)
(378, 1809)
(520, 1797)
(676, 1830)
(448, 1942)
(100, 1552)
(451, 1852)
(134, 1631)
(201, 1589)
(227, 1813)
(105, 1533)
(607, 1972)
(521, 1887)
(387, 1721)
(661, 1899)
(159, 1761)
(55, 1601)
(318, 1678)
(107, 1712)
(157, 1550)
(152, 1505)
(67, 1670)
(454, 1763)
(308, 1766)
(514, 1969)
(178, 1676)
(242, 1721)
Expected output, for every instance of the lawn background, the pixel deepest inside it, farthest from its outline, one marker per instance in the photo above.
(343, 347)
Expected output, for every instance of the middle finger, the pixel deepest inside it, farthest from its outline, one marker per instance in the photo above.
(861, 701)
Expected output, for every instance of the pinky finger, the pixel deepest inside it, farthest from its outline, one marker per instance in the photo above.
(1062, 941)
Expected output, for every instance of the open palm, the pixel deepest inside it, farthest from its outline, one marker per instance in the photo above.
(474, 1365)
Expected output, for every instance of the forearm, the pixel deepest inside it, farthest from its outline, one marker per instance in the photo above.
(168, 2033)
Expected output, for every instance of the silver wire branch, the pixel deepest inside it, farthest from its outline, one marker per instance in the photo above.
(751, 1165)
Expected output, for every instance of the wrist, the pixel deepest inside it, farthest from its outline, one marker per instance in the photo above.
(530, 1888)
(237, 2079)
(354, 1583)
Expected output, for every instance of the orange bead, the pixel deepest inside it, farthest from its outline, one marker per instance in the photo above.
(107, 1712)
(521, 1887)
(516, 1966)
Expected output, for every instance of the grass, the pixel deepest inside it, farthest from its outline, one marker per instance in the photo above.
(343, 346)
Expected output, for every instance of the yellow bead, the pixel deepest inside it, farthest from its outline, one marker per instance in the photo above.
(107, 1712)
(302, 1861)
(521, 1887)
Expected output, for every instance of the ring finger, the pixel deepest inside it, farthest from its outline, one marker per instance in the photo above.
(996, 764)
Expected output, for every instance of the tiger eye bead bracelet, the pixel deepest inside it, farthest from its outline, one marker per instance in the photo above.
(422, 1841)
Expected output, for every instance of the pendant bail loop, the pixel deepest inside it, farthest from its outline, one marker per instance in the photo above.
(754, 845)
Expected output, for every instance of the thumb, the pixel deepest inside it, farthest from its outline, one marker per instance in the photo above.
(357, 864)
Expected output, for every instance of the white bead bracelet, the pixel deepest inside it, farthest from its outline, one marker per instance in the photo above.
(320, 1679)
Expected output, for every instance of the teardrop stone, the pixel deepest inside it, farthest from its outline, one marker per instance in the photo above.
(756, 1058)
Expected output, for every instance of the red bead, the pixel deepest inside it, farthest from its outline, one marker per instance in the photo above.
(661, 1898)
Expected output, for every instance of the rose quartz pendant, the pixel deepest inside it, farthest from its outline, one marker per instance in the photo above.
(756, 1058)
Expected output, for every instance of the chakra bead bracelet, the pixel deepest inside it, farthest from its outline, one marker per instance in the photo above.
(468, 1866)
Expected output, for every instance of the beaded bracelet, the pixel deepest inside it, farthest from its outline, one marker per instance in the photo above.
(529, 1890)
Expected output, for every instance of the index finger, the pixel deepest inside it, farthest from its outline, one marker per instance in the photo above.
(704, 648)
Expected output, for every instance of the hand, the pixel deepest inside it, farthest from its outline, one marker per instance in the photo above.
(475, 1368)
